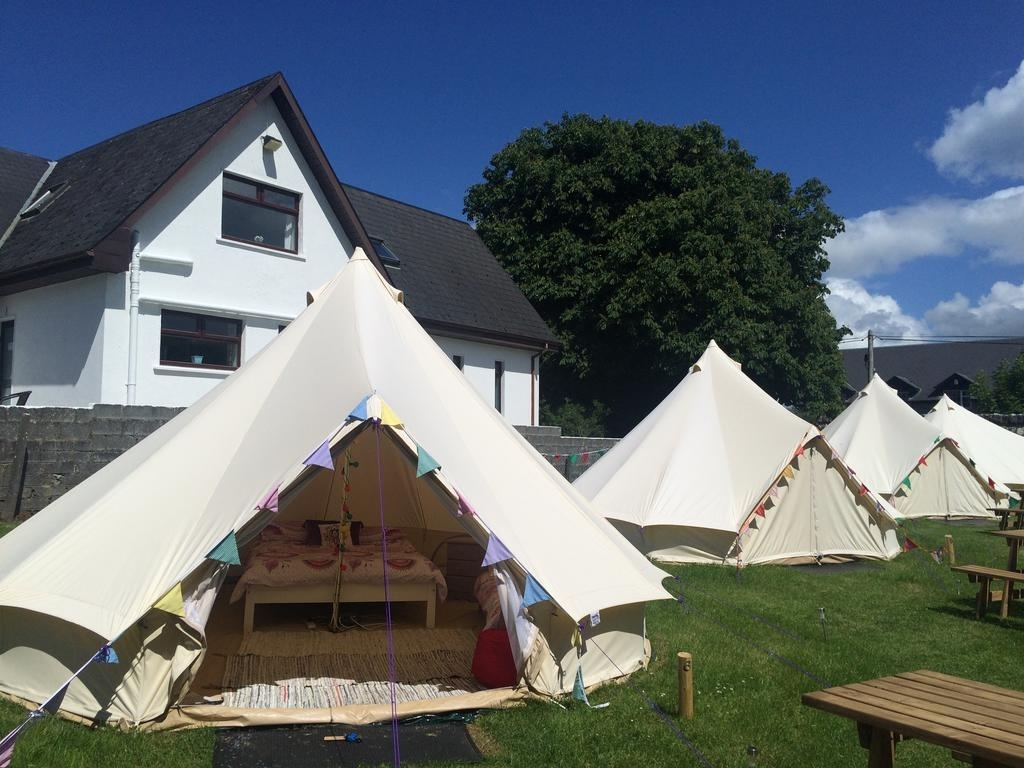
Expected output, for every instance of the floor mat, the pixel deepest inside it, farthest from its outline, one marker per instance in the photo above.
(304, 747)
(326, 670)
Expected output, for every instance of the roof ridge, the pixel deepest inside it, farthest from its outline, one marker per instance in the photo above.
(348, 186)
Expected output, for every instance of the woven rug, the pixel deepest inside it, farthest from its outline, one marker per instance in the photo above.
(324, 669)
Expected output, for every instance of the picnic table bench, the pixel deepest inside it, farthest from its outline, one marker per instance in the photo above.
(980, 724)
(983, 575)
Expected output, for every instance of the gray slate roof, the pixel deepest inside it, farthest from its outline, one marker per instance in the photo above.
(107, 182)
(20, 174)
(451, 279)
(928, 365)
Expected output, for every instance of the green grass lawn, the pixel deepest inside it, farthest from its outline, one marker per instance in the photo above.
(757, 645)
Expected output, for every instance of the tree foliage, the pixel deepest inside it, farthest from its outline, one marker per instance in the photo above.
(639, 243)
(1005, 393)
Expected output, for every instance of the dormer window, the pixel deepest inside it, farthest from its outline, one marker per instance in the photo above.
(42, 202)
(260, 214)
(387, 257)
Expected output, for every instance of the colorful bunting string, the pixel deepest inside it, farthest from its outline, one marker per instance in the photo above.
(226, 551)
(576, 458)
(533, 592)
(496, 552)
(425, 463)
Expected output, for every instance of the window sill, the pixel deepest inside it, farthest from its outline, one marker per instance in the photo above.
(205, 373)
(260, 249)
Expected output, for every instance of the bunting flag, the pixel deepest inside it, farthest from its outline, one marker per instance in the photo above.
(922, 461)
(465, 508)
(862, 490)
(574, 459)
(226, 551)
(787, 472)
(579, 691)
(7, 747)
(534, 592)
(744, 528)
(991, 483)
(106, 655)
(424, 462)
(52, 704)
(359, 412)
(759, 510)
(388, 417)
(906, 481)
(172, 602)
(321, 457)
(773, 492)
(496, 552)
(799, 450)
(270, 501)
(909, 544)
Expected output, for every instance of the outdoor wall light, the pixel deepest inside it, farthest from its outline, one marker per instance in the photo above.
(271, 143)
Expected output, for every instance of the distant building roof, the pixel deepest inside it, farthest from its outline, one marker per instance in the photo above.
(922, 372)
(453, 283)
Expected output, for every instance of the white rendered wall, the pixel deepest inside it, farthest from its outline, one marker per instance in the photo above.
(186, 265)
(521, 389)
(58, 341)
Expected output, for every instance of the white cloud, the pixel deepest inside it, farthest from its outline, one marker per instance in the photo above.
(859, 310)
(882, 241)
(998, 313)
(984, 138)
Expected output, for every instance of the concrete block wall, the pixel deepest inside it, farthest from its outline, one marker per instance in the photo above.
(45, 452)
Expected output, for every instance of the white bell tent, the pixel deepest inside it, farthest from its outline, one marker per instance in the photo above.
(130, 558)
(998, 453)
(909, 459)
(721, 472)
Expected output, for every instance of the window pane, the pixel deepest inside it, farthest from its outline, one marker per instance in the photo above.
(259, 225)
(283, 199)
(179, 321)
(239, 187)
(220, 326)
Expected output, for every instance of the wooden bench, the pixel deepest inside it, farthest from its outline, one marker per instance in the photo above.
(983, 576)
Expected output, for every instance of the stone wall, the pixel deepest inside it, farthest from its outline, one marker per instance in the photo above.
(44, 452)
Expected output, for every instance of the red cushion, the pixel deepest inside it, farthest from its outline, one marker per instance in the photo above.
(493, 664)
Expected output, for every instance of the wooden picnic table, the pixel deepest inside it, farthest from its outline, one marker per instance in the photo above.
(1005, 513)
(981, 724)
(1013, 536)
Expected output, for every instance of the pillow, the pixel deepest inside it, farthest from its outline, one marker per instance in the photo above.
(329, 533)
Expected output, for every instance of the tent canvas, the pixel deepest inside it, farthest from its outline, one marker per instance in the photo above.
(123, 557)
(721, 472)
(998, 453)
(908, 459)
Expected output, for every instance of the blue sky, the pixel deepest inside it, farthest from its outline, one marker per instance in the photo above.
(912, 113)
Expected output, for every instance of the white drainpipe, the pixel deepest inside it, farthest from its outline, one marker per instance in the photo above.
(133, 317)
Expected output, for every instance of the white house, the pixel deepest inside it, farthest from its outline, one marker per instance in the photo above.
(146, 268)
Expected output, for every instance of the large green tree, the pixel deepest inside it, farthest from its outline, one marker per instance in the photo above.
(638, 243)
(1005, 392)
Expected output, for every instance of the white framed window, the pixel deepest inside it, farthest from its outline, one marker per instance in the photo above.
(253, 212)
(199, 341)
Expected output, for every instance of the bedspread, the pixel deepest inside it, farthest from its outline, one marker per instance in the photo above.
(283, 559)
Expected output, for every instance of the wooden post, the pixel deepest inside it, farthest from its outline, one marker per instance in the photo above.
(949, 550)
(685, 685)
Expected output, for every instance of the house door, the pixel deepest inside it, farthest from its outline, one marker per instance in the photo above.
(6, 356)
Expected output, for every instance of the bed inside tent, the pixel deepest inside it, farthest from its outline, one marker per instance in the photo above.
(288, 637)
